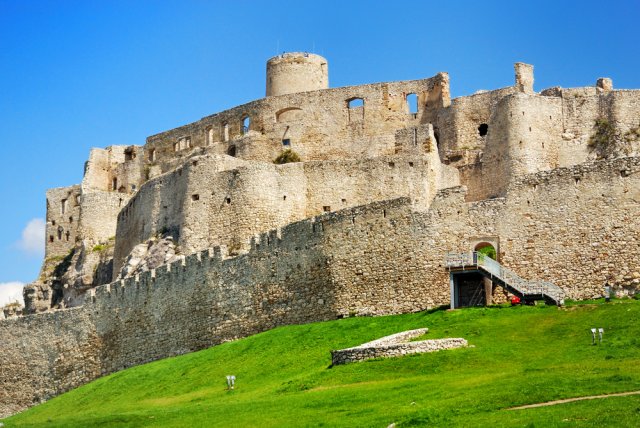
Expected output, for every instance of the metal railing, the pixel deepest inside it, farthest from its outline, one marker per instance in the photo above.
(509, 277)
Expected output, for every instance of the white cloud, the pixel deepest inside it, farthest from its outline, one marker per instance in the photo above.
(11, 292)
(32, 241)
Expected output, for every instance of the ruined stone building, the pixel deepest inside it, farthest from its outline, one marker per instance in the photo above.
(199, 237)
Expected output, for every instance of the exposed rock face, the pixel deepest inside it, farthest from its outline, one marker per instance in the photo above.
(11, 310)
(37, 297)
(149, 255)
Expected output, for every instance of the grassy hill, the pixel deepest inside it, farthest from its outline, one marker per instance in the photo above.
(518, 356)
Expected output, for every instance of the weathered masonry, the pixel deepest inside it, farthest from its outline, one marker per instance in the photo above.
(198, 237)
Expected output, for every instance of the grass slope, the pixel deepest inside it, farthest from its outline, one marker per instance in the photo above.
(520, 355)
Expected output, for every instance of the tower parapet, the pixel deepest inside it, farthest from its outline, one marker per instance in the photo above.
(296, 72)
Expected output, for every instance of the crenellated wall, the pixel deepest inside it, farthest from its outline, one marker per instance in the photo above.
(203, 204)
(573, 226)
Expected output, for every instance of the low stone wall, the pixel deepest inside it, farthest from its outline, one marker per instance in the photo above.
(395, 345)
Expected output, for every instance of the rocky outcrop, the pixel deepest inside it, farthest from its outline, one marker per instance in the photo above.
(149, 255)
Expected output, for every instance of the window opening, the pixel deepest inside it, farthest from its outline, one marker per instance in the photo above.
(487, 249)
(210, 136)
(129, 154)
(355, 102)
(483, 129)
(63, 206)
(231, 151)
(114, 184)
(412, 103)
(225, 131)
(246, 122)
(286, 141)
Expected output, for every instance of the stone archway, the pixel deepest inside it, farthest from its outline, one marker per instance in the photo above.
(488, 247)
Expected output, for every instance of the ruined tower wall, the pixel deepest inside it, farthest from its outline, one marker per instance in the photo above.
(63, 215)
(319, 124)
(296, 72)
(458, 125)
(524, 136)
(116, 168)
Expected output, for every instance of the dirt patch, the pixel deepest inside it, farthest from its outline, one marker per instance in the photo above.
(569, 400)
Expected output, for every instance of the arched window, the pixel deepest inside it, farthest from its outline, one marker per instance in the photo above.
(288, 114)
(483, 129)
(231, 151)
(246, 122)
(225, 132)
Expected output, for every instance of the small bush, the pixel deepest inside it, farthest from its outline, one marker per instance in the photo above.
(99, 247)
(603, 134)
(287, 156)
(488, 251)
(632, 134)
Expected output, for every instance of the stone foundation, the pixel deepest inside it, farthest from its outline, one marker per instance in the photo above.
(395, 345)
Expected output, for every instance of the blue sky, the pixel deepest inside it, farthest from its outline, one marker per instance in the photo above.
(82, 74)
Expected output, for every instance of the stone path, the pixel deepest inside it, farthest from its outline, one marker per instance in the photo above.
(569, 400)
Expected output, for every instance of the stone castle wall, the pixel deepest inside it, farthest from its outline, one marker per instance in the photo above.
(319, 125)
(202, 204)
(572, 226)
(63, 216)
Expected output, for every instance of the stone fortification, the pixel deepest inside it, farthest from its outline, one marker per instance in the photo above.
(201, 205)
(212, 241)
(296, 72)
(323, 268)
(337, 123)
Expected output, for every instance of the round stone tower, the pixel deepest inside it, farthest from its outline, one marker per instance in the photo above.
(296, 72)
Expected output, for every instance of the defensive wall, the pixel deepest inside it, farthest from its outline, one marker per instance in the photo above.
(221, 200)
(573, 226)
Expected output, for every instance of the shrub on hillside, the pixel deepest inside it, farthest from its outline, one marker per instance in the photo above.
(287, 156)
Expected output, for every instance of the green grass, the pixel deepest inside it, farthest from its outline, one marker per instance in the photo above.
(519, 355)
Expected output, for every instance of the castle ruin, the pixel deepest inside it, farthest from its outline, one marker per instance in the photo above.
(198, 237)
